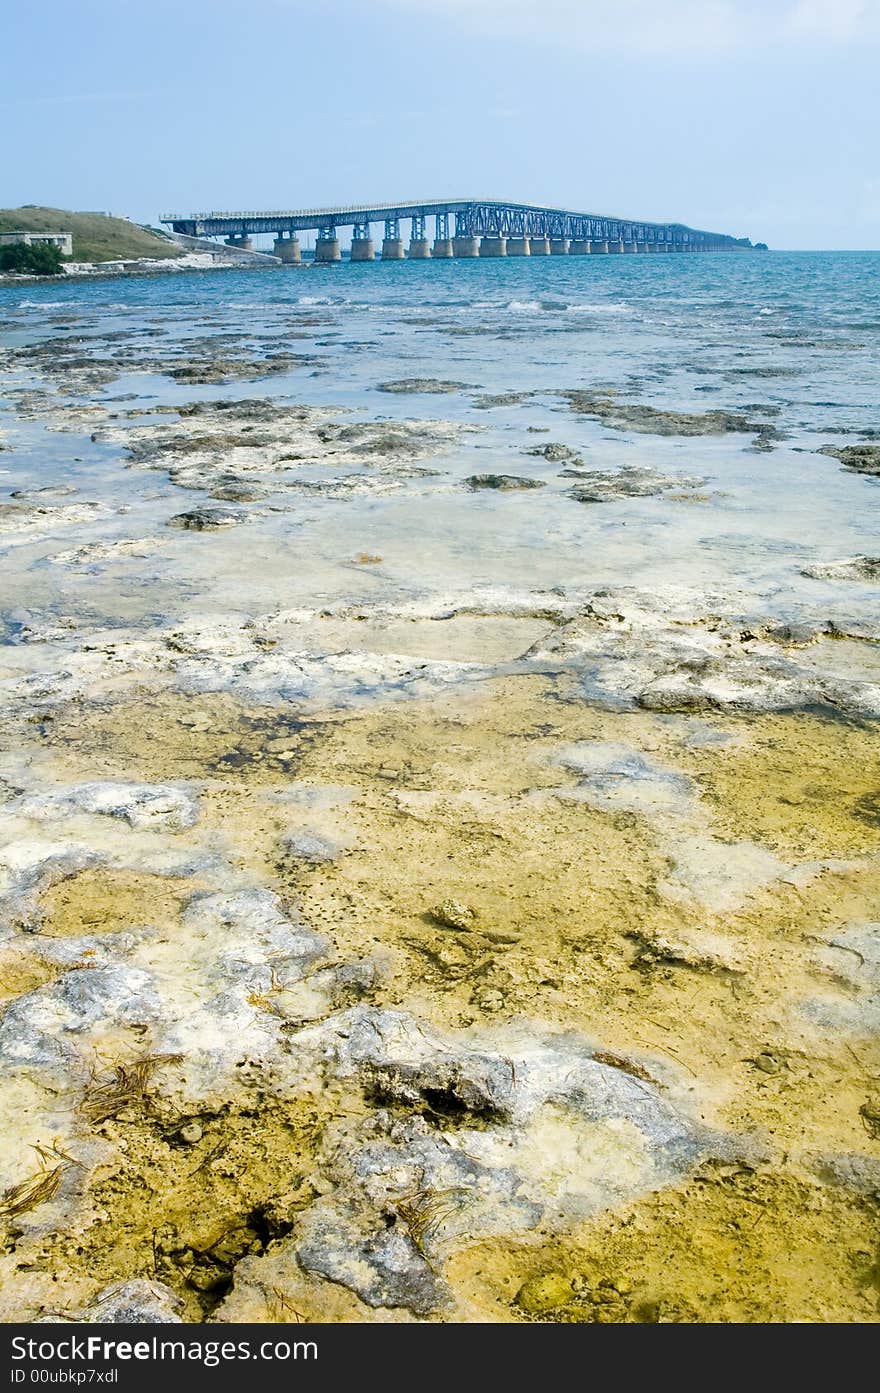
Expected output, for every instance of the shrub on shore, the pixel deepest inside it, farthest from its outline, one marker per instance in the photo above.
(38, 259)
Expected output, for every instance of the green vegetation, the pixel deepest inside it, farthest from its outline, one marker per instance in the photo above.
(39, 260)
(95, 237)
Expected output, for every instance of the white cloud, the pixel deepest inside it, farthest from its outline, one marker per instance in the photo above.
(840, 21)
(662, 28)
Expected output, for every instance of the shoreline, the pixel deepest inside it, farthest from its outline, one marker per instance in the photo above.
(140, 268)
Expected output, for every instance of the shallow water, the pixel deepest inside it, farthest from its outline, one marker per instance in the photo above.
(482, 884)
(687, 334)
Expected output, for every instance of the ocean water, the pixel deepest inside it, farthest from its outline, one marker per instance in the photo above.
(791, 340)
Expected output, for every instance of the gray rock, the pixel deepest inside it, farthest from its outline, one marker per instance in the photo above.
(618, 777)
(404, 385)
(140, 805)
(206, 519)
(398, 1058)
(651, 420)
(596, 486)
(555, 452)
(859, 459)
(850, 568)
(248, 928)
(382, 1265)
(136, 1302)
(41, 1027)
(312, 847)
(850, 1170)
(238, 493)
(406, 1062)
(33, 870)
(502, 483)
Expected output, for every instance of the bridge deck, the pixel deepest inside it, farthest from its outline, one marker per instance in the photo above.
(474, 217)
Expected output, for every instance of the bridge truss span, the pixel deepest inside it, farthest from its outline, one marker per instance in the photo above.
(482, 227)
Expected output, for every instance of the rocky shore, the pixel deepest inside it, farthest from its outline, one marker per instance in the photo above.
(390, 932)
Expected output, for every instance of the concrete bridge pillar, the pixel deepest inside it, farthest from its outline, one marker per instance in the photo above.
(327, 249)
(630, 247)
(559, 246)
(519, 246)
(392, 245)
(615, 245)
(288, 249)
(241, 242)
(442, 248)
(598, 247)
(580, 246)
(362, 243)
(465, 246)
(540, 246)
(493, 246)
(419, 249)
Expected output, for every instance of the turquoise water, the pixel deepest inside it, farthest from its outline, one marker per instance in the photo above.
(789, 339)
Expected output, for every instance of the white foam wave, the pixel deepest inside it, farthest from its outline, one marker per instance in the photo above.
(616, 307)
(42, 304)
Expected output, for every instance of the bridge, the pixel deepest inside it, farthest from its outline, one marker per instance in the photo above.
(482, 227)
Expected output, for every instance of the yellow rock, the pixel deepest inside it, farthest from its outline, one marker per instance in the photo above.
(544, 1292)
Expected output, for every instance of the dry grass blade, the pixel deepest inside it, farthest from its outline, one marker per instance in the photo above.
(627, 1066)
(18, 1199)
(128, 1083)
(424, 1212)
(38, 1188)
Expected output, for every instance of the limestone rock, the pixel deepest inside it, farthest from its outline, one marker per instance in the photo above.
(597, 486)
(381, 1264)
(502, 483)
(142, 806)
(310, 846)
(454, 914)
(860, 459)
(544, 1292)
(206, 519)
(405, 385)
(555, 452)
(136, 1302)
(48, 1026)
(850, 568)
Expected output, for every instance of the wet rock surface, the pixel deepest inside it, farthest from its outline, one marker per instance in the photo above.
(623, 415)
(404, 385)
(850, 568)
(503, 483)
(594, 486)
(422, 908)
(555, 452)
(860, 459)
(138, 1302)
(206, 519)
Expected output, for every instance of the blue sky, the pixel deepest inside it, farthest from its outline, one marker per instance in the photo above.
(756, 118)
